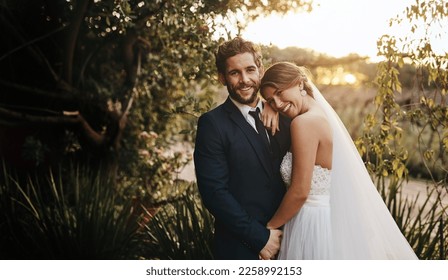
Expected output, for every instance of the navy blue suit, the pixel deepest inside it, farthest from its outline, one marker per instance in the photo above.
(239, 179)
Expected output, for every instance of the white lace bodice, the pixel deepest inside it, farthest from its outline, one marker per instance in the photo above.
(320, 183)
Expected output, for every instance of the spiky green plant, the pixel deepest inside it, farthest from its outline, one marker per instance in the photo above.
(76, 215)
(422, 221)
(180, 230)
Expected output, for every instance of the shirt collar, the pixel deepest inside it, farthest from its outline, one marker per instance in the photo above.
(246, 108)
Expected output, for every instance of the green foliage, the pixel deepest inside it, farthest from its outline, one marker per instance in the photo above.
(96, 75)
(69, 215)
(78, 215)
(112, 84)
(139, 72)
(424, 112)
(180, 230)
(420, 219)
(154, 168)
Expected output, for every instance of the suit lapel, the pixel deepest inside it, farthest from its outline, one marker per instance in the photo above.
(281, 142)
(250, 133)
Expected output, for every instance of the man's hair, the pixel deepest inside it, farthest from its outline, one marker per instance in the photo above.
(233, 47)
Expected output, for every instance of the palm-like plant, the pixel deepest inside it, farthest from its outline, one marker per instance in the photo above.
(180, 230)
(78, 215)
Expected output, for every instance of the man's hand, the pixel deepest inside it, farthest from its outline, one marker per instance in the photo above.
(271, 248)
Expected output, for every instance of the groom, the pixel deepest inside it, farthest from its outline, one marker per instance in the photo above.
(238, 173)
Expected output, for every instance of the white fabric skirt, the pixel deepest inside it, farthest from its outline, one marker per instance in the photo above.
(307, 236)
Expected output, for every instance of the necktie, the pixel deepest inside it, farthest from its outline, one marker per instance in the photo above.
(260, 127)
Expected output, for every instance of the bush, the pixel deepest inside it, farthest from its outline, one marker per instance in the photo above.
(180, 230)
(77, 215)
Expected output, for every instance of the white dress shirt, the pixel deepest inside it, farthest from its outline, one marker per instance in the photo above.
(245, 111)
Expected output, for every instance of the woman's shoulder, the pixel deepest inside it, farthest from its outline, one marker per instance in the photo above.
(311, 119)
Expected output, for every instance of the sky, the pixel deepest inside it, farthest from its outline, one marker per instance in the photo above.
(335, 27)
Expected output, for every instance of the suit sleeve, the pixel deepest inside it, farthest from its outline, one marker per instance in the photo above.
(212, 174)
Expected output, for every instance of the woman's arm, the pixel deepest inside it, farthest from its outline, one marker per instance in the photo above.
(269, 117)
(304, 144)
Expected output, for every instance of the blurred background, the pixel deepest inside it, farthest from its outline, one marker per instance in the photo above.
(99, 102)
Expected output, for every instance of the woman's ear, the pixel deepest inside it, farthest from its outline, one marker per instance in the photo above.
(222, 79)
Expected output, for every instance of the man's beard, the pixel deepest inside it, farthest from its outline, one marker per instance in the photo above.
(240, 99)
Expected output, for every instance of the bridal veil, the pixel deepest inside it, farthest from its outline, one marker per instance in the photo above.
(362, 226)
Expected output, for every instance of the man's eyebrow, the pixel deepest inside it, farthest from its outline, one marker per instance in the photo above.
(232, 70)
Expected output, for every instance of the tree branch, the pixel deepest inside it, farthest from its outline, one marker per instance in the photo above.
(80, 11)
(67, 117)
(34, 90)
(29, 43)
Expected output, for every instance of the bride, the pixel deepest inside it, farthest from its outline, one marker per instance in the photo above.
(331, 210)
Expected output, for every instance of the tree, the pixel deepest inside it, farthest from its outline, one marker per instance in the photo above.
(424, 111)
(97, 81)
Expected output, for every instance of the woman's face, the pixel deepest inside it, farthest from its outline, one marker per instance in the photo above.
(287, 102)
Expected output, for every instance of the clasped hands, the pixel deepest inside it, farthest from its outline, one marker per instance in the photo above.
(272, 247)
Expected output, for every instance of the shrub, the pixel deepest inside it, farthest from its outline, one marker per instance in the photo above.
(180, 230)
(72, 215)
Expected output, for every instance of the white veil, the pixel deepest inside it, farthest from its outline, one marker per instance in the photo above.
(362, 226)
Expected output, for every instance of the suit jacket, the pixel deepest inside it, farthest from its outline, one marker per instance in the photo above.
(239, 179)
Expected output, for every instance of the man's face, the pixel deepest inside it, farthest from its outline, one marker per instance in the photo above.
(242, 78)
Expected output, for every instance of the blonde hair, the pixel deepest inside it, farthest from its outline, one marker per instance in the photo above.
(283, 75)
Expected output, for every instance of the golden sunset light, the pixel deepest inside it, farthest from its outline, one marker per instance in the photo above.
(206, 136)
(336, 28)
(350, 78)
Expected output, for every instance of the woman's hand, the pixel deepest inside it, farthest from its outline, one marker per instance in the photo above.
(269, 117)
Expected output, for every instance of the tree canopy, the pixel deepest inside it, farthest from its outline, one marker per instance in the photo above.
(85, 79)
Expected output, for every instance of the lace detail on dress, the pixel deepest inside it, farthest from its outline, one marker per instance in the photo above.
(320, 183)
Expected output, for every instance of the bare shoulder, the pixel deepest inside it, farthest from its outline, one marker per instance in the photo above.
(310, 121)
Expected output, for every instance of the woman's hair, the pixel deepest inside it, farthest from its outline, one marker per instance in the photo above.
(283, 75)
(233, 47)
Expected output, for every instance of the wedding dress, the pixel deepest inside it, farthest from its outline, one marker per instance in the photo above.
(307, 236)
(344, 216)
